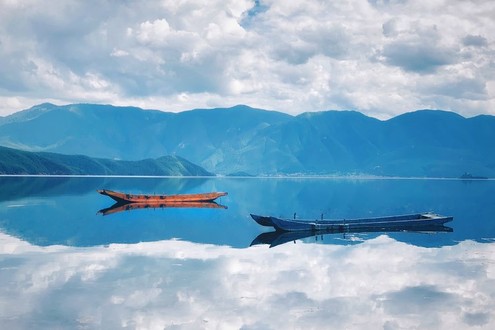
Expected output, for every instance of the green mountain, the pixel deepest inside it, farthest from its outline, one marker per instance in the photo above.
(254, 141)
(14, 161)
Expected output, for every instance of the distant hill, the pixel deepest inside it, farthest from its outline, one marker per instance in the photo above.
(254, 141)
(23, 162)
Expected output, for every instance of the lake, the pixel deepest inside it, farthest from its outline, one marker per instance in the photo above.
(66, 265)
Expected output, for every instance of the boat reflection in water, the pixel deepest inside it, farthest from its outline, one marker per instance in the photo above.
(292, 229)
(128, 202)
(120, 207)
(278, 237)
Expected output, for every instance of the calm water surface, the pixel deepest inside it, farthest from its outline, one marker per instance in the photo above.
(64, 265)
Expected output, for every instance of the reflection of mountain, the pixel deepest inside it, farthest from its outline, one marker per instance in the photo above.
(275, 238)
(246, 140)
(121, 207)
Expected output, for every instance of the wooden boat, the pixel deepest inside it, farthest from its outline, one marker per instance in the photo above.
(120, 207)
(131, 198)
(348, 224)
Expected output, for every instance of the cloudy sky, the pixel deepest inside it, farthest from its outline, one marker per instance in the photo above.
(378, 284)
(381, 57)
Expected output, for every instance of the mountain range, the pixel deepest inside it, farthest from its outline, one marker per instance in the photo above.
(19, 162)
(241, 139)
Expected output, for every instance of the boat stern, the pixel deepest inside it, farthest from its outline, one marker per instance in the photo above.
(436, 218)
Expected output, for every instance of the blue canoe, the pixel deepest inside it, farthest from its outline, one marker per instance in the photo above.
(420, 219)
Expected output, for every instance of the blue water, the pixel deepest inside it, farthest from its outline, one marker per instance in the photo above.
(63, 211)
(198, 268)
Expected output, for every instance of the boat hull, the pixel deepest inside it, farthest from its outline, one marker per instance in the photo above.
(132, 198)
(262, 220)
(419, 219)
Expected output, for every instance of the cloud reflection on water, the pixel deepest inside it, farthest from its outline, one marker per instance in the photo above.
(380, 283)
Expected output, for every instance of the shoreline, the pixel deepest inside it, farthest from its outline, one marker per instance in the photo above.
(308, 177)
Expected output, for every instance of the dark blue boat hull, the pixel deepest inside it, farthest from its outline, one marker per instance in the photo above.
(418, 219)
(262, 220)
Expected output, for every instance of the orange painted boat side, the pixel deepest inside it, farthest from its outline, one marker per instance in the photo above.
(132, 198)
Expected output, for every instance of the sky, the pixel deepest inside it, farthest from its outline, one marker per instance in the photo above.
(378, 284)
(380, 57)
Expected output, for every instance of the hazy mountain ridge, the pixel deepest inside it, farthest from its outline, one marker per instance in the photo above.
(255, 141)
(20, 162)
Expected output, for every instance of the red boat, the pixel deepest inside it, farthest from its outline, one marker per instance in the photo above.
(131, 198)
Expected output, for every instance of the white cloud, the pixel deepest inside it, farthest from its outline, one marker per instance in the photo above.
(153, 33)
(380, 283)
(378, 57)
